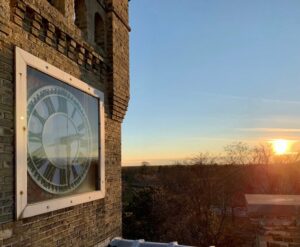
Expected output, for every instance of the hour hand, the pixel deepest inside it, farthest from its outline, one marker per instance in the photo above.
(69, 139)
(66, 140)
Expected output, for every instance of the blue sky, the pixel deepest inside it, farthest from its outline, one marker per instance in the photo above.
(207, 73)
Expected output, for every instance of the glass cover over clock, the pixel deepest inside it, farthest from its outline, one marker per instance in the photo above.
(63, 137)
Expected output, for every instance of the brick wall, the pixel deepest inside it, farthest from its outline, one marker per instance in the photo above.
(117, 17)
(39, 28)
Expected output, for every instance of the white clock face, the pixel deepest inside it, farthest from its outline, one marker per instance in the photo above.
(59, 140)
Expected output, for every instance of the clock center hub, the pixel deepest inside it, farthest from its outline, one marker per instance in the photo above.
(60, 140)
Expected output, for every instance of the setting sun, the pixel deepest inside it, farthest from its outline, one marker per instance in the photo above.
(280, 146)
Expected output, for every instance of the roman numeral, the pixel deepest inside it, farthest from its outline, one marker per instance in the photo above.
(74, 171)
(39, 117)
(50, 107)
(49, 172)
(41, 163)
(38, 157)
(68, 174)
(62, 105)
(62, 176)
(35, 137)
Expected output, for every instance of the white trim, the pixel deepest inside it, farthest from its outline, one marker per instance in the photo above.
(21, 135)
(23, 209)
(102, 146)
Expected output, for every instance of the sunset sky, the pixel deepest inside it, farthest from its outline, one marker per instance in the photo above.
(207, 73)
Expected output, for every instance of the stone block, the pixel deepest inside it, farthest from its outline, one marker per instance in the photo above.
(62, 42)
(71, 55)
(81, 56)
(80, 61)
(35, 32)
(73, 43)
(18, 20)
(20, 13)
(36, 25)
(61, 49)
(37, 18)
(82, 50)
(21, 6)
(51, 27)
(49, 41)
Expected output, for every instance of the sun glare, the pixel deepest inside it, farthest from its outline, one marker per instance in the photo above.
(280, 146)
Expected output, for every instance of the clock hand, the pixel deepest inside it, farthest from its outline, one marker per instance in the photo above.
(66, 140)
(68, 172)
(70, 138)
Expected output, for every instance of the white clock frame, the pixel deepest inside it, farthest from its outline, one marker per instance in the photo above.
(23, 208)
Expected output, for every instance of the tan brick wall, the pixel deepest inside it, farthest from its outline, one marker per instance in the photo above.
(54, 37)
(118, 55)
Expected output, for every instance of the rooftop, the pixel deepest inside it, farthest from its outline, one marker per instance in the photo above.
(119, 242)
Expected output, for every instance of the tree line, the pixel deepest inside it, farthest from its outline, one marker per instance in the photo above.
(195, 202)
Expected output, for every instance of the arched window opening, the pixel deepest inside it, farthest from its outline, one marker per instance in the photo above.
(81, 16)
(99, 31)
(58, 4)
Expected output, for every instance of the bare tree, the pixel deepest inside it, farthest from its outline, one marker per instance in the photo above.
(145, 163)
(195, 209)
(262, 154)
(204, 159)
(237, 153)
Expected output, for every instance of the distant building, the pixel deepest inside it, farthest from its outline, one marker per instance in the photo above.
(277, 218)
(64, 91)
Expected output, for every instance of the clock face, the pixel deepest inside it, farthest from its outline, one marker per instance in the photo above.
(59, 140)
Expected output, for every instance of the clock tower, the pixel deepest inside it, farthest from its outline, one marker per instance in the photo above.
(64, 92)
